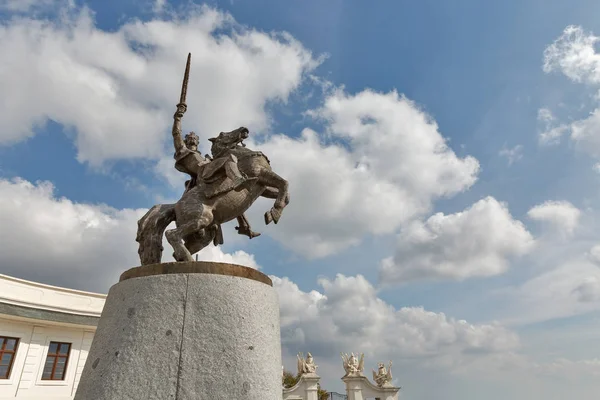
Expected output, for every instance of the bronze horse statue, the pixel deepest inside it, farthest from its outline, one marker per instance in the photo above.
(198, 218)
(212, 200)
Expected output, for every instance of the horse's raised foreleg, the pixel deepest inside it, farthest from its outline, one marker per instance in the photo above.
(270, 193)
(270, 178)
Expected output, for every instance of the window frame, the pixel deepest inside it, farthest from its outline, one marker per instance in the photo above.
(43, 337)
(13, 352)
(56, 356)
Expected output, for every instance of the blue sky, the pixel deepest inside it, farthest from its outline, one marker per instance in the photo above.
(498, 228)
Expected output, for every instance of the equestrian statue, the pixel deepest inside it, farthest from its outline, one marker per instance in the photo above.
(221, 188)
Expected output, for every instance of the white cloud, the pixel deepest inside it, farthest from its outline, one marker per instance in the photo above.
(383, 163)
(29, 5)
(562, 216)
(585, 133)
(512, 155)
(588, 290)
(348, 315)
(594, 254)
(572, 288)
(240, 257)
(394, 137)
(559, 278)
(475, 242)
(55, 240)
(570, 368)
(550, 131)
(117, 90)
(103, 86)
(574, 54)
(159, 6)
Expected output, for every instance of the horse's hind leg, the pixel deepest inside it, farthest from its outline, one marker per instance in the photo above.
(196, 242)
(189, 227)
(270, 178)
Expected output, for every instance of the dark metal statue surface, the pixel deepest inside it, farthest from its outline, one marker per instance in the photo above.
(221, 188)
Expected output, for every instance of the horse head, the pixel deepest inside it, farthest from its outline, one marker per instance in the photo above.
(228, 140)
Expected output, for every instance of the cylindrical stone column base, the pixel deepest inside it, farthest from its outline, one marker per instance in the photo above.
(186, 331)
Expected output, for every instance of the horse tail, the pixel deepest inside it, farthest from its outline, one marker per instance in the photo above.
(150, 232)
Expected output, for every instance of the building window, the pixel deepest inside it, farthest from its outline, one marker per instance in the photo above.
(8, 349)
(56, 362)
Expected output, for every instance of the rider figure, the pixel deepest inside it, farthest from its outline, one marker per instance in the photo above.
(189, 160)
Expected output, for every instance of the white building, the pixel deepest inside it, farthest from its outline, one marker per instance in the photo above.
(45, 335)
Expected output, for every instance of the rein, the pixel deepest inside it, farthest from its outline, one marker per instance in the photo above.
(242, 154)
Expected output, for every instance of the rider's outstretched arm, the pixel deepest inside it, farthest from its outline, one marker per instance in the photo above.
(177, 139)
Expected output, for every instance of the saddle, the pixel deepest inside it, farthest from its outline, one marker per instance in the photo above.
(214, 177)
(210, 170)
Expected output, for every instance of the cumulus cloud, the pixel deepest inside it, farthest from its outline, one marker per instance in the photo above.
(52, 239)
(381, 163)
(574, 54)
(348, 315)
(240, 257)
(117, 90)
(561, 216)
(475, 242)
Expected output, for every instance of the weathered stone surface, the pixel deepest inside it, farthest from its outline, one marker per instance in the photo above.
(197, 267)
(186, 336)
(135, 352)
(231, 340)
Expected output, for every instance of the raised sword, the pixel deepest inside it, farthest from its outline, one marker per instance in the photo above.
(186, 77)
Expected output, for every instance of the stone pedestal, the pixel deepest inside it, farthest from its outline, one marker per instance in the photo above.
(186, 331)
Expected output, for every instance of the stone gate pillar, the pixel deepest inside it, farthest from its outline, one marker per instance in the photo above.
(307, 388)
(359, 388)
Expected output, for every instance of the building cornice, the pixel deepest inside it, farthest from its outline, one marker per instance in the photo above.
(39, 296)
